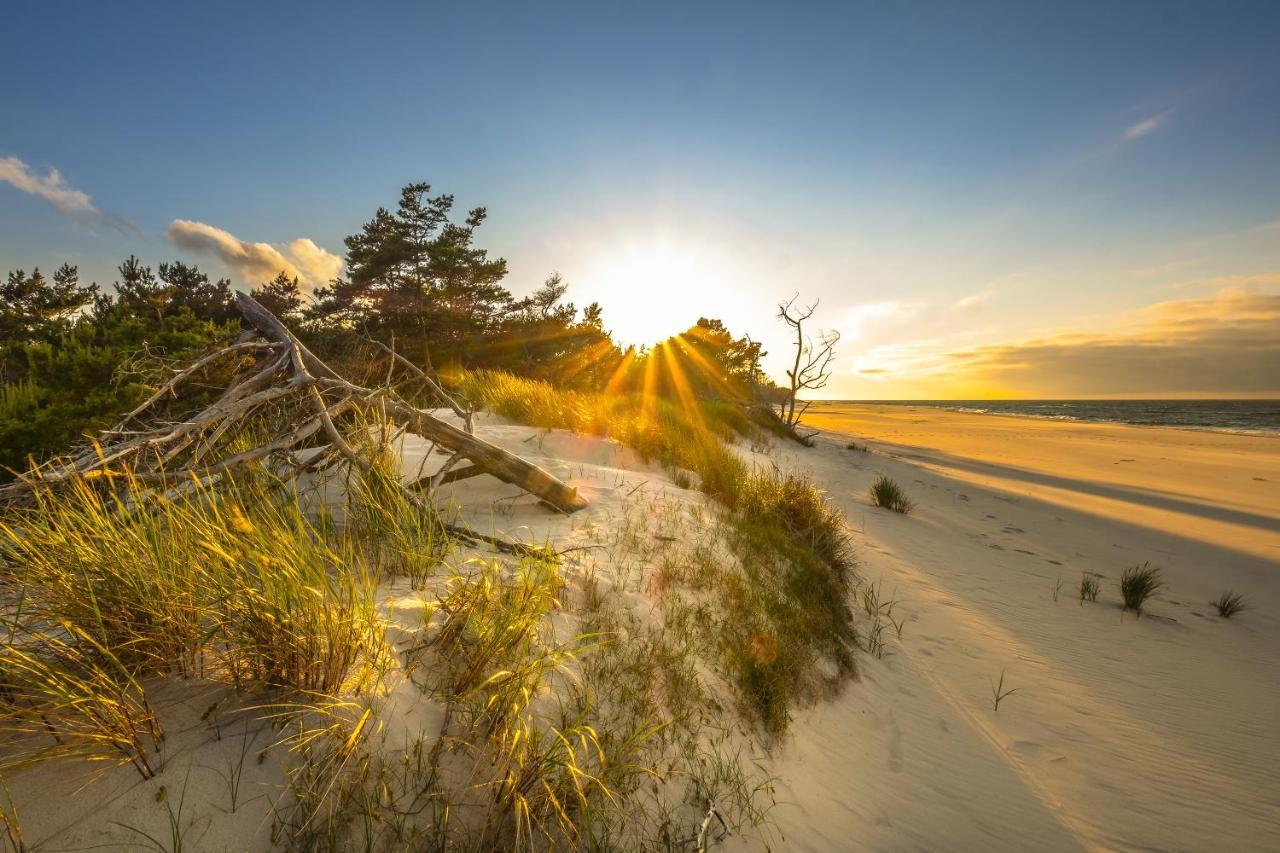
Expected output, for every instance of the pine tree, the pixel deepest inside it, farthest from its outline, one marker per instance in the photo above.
(34, 308)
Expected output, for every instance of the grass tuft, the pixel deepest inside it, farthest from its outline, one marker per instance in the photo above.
(1089, 587)
(1228, 604)
(1138, 584)
(888, 494)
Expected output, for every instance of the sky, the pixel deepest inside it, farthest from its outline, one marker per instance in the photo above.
(985, 199)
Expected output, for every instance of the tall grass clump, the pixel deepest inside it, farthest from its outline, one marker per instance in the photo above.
(888, 494)
(65, 694)
(294, 609)
(792, 610)
(1138, 584)
(490, 632)
(112, 583)
(1228, 604)
(402, 537)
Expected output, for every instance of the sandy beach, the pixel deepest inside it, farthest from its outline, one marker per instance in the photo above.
(1121, 733)
(1155, 733)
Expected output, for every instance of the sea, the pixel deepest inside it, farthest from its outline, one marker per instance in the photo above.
(1259, 417)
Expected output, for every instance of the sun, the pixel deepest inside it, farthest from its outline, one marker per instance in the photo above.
(652, 291)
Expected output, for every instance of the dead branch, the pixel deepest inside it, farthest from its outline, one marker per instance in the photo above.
(811, 369)
(285, 399)
(444, 396)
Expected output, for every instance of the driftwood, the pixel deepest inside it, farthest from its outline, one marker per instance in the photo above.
(307, 401)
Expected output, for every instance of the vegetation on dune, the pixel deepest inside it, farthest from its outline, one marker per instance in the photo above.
(796, 566)
(1089, 587)
(234, 586)
(888, 494)
(1228, 604)
(1138, 584)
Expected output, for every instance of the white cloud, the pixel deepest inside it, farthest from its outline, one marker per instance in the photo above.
(258, 262)
(315, 264)
(53, 188)
(1147, 125)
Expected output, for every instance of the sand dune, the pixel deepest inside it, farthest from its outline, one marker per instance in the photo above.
(1134, 734)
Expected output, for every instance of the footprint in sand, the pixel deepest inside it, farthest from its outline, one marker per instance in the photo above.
(1014, 530)
(1025, 551)
(1054, 562)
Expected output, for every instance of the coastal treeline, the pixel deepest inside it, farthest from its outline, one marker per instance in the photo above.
(75, 356)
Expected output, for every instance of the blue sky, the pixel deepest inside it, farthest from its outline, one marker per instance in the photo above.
(944, 177)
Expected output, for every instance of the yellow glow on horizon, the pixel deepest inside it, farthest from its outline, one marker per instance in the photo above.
(647, 290)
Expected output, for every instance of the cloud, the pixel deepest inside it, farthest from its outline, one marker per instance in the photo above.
(1149, 124)
(975, 300)
(53, 188)
(258, 262)
(1228, 343)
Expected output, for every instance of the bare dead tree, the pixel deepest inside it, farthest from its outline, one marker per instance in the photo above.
(812, 367)
(303, 416)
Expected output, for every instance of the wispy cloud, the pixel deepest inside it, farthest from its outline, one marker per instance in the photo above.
(53, 188)
(258, 262)
(1150, 124)
(976, 300)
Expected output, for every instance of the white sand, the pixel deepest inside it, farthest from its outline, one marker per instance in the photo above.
(1157, 733)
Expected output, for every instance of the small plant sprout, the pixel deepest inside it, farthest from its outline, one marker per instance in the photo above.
(1139, 583)
(1057, 588)
(888, 494)
(1088, 587)
(1229, 604)
(999, 693)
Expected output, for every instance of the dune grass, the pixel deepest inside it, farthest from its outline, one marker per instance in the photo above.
(888, 494)
(1089, 587)
(1138, 584)
(233, 585)
(1228, 604)
(787, 608)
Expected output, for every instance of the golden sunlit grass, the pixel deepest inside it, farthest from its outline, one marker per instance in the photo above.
(797, 562)
(233, 585)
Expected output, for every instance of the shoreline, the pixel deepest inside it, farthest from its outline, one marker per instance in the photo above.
(943, 406)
